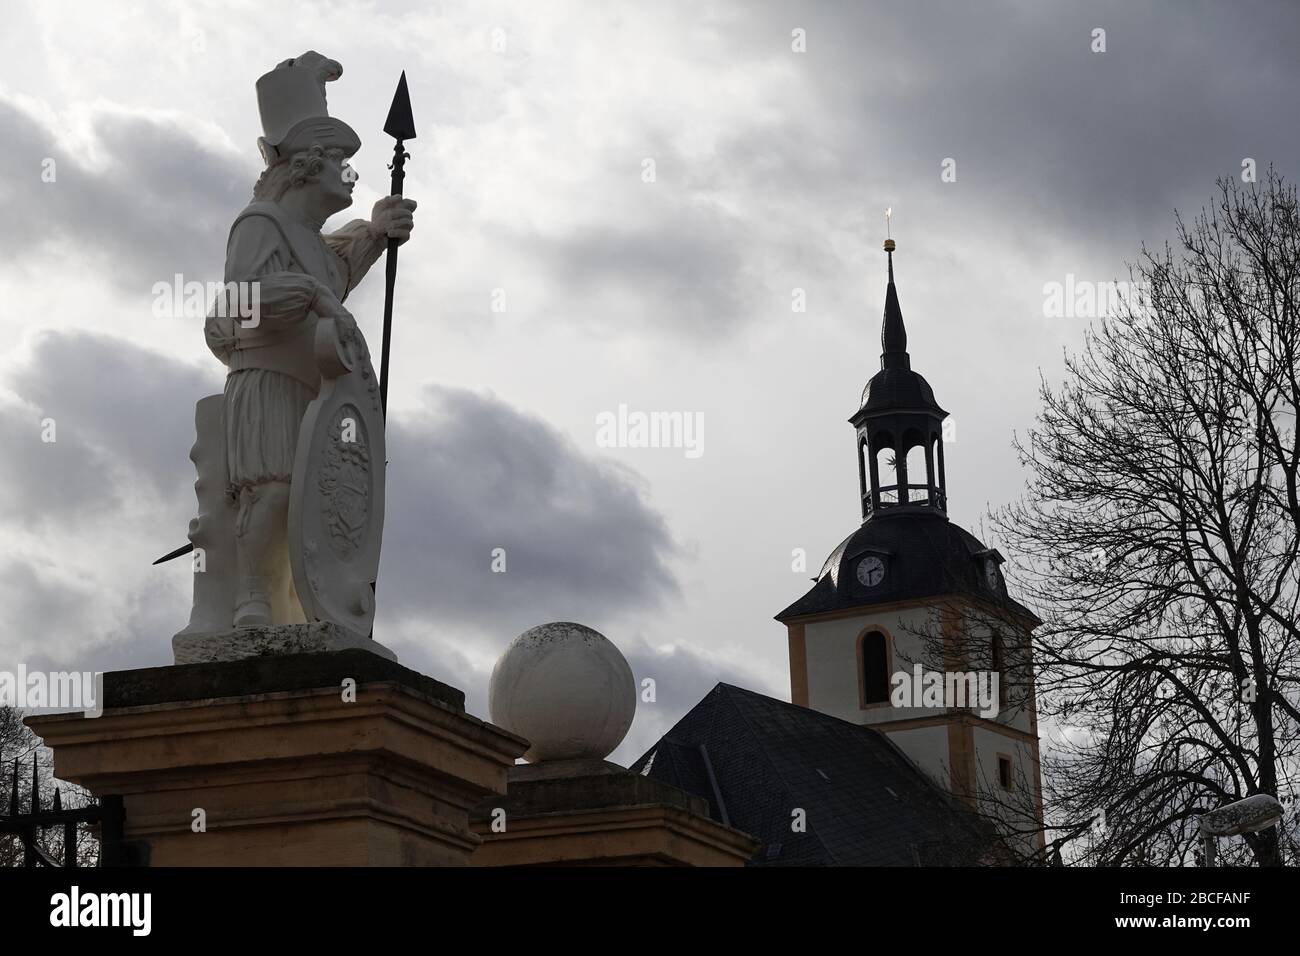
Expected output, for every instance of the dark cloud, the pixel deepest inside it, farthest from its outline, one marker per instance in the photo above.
(475, 474)
(1052, 143)
(137, 635)
(162, 204)
(444, 660)
(1049, 137)
(471, 475)
(40, 599)
(123, 422)
(681, 267)
(49, 482)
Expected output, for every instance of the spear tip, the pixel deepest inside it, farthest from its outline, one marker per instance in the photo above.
(400, 124)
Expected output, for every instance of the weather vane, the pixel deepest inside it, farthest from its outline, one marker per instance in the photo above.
(889, 243)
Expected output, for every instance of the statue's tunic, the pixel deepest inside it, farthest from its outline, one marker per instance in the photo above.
(273, 374)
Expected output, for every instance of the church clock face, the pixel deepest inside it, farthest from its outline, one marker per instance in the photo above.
(871, 571)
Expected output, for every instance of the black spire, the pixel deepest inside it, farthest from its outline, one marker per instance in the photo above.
(893, 336)
(898, 413)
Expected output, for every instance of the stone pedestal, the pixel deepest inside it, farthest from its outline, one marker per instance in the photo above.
(286, 770)
(596, 813)
(237, 643)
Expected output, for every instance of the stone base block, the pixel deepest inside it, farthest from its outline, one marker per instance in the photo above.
(270, 761)
(596, 813)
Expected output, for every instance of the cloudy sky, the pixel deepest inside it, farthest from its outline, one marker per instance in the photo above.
(777, 133)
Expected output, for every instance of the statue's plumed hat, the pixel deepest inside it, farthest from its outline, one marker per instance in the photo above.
(291, 100)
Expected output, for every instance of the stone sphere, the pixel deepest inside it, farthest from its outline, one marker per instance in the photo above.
(566, 689)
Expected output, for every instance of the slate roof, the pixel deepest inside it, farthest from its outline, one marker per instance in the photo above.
(925, 555)
(755, 759)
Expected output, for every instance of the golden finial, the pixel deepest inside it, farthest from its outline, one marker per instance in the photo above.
(889, 243)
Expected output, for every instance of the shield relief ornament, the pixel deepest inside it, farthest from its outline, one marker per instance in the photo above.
(336, 501)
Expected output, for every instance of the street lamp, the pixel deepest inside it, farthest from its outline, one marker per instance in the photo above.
(1258, 812)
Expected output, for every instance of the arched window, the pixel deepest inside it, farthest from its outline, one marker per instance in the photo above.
(939, 478)
(887, 475)
(917, 475)
(874, 661)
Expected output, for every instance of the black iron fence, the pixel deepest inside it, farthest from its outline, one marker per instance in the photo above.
(107, 814)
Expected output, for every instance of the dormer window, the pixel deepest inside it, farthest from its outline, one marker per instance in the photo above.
(989, 561)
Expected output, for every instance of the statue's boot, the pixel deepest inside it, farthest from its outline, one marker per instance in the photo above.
(254, 605)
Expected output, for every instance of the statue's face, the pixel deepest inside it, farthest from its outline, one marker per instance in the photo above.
(336, 181)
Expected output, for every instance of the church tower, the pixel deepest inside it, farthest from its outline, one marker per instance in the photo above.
(910, 619)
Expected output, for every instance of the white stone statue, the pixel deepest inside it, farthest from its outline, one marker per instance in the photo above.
(290, 459)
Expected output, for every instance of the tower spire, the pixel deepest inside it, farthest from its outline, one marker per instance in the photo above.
(893, 336)
(898, 414)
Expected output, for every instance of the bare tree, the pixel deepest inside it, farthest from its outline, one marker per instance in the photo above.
(19, 744)
(1159, 539)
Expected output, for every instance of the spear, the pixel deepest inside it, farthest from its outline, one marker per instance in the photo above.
(401, 126)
